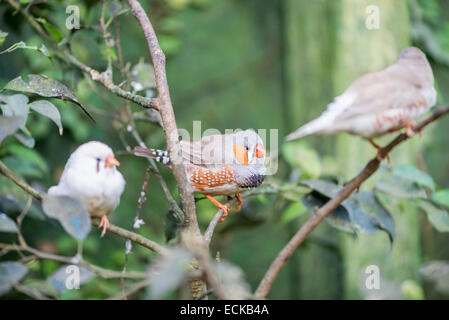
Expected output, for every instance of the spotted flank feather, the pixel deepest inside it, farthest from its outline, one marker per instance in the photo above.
(158, 155)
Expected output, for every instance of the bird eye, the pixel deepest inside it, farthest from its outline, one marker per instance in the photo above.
(98, 164)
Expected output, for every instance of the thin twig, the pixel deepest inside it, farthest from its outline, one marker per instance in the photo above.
(318, 216)
(136, 224)
(105, 273)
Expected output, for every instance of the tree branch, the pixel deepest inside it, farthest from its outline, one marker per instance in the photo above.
(105, 273)
(190, 226)
(318, 216)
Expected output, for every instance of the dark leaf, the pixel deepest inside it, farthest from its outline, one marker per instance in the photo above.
(7, 224)
(172, 225)
(45, 87)
(360, 211)
(369, 201)
(339, 218)
(70, 213)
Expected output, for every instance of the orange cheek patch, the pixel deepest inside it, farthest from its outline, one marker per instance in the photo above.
(241, 154)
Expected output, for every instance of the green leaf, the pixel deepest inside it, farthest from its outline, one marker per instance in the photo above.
(168, 272)
(31, 156)
(7, 224)
(400, 187)
(412, 173)
(49, 110)
(23, 45)
(8, 126)
(441, 197)
(371, 204)
(70, 212)
(299, 155)
(439, 218)
(58, 279)
(11, 273)
(3, 36)
(45, 87)
(23, 167)
(172, 225)
(52, 31)
(293, 211)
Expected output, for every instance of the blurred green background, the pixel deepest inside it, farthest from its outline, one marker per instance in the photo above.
(257, 64)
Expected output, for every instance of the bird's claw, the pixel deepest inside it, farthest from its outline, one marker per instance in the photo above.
(104, 223)
(239, 199)
(225, 212)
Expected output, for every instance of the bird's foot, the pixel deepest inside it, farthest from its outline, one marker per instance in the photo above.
(239, 199)
(409, 129)
(379, 156)
(220, 206)
(104, 223)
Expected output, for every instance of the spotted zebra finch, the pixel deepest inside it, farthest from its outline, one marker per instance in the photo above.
(91, 176)
(380, 102)
(219, 164)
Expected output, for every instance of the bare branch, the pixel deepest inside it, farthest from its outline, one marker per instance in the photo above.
(4, 170)
(370, 168)
(105, 273)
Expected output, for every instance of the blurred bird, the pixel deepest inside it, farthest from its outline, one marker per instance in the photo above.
(219, 164)
(379, 102)
(90, 176)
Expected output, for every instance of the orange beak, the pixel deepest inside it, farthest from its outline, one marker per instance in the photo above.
(111, 161)
(259, 152)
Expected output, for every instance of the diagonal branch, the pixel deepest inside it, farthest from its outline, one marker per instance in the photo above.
(318, 216)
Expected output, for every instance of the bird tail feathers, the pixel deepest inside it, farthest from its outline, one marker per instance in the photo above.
(158, 155)
(312, 127)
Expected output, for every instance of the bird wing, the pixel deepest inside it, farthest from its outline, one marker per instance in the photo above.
(206, 152)
(379, 91)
